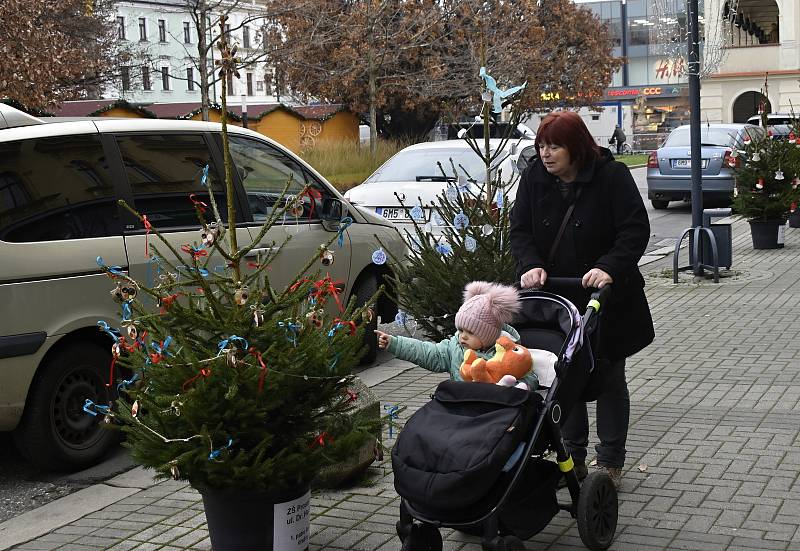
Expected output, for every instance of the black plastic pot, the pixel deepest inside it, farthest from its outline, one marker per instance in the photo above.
(239, 520)
(794, 219)
(765, 233)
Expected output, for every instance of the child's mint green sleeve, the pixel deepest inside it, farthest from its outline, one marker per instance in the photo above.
(531, 380)
(433, 356)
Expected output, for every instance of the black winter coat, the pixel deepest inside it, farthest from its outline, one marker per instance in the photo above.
(609, 229)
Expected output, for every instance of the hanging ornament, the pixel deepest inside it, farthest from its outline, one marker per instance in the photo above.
(241, 294)
(315, 318)
(760, 184)
(174, 471)
(451, 193)
(133, 333)
(135, 408)
(779, 174)
(417, 213)
(734, 153)
(428, 228)
(795, 182)
(116, 350)
(444, 249)
(379, 257)
(230, 358)
(367, 315)
(470, 244)
(401, 318)
(437, 219)
(258, 315)
(747, 140)
(487, 229)
(486, 96)
(792, 137)
(326, 257)
(499, 198)
(756, 157)
(210, 234)
(461, 221)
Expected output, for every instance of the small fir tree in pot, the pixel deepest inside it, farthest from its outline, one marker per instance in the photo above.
(766, 185)
(239, 388)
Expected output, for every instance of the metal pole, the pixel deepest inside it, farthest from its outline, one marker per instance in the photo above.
(694, 130)
(623, 9)
(244, 111)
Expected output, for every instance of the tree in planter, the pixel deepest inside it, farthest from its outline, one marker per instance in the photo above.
(766, 181)
(235, 386)
(473, 216)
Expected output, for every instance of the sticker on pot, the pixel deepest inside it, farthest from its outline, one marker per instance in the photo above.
(291, 521)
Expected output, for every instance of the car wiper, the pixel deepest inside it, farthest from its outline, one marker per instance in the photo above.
(438, 178)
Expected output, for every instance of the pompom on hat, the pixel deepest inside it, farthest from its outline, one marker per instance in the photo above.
(487, 306)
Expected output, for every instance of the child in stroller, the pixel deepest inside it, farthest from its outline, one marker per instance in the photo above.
(474, 458)
(482, 319)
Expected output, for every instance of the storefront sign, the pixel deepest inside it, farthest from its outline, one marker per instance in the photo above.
(668, 91)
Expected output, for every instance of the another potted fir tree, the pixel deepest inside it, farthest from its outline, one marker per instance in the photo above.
(242, 389)
(766, 186)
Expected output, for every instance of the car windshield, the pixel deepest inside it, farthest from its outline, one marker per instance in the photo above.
(417, 165)
(723, 137)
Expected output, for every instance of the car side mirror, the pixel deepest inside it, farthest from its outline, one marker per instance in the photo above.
(526, 157)
(332, 209)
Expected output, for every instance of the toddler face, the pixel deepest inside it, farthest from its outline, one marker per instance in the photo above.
(468, 340)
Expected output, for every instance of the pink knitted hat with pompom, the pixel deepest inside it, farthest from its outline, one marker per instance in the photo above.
(487, 306)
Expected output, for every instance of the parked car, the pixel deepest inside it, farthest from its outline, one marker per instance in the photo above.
(774, 118)
(457, 130)
(780, 131)
(669, 167)
(59, 186)
(415, 175)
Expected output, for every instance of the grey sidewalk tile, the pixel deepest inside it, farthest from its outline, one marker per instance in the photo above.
(126, 545)
(190, 538)
(169, 535)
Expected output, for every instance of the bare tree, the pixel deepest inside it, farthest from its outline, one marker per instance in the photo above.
(54, 51)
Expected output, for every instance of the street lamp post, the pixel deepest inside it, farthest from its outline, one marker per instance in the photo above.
(244, 111)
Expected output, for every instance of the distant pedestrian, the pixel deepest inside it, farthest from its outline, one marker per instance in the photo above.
(578, 213)
(619, 137)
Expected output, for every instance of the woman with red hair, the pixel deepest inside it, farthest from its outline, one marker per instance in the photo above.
(578, 213)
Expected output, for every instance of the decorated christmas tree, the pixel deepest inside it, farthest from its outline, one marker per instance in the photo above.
(467, 237)
(223, 379)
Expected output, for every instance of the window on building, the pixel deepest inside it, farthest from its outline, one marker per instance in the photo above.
(142, 28)
(260, 86)
(146, 78)
(230, 84)
(249, 84)
(125, 76)
(163, 170)
(56, 188)
(162, 30)
(246, 37)
(165, 78)
(187, 33)
(268, 84)
(190, 79)
(120, 27)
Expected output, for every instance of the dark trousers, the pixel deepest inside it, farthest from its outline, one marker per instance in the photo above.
(613, 415)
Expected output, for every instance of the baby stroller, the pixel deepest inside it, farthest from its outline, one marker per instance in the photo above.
(474, 457)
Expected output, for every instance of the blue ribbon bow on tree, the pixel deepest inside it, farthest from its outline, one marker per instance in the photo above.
(499, 95)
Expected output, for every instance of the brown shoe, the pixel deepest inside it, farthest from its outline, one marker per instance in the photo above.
(615, 473)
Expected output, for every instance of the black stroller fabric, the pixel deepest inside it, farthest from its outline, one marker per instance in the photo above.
(451, 452)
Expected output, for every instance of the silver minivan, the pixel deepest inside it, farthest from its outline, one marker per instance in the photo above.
(59, 186)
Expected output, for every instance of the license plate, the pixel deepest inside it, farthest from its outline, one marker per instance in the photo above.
(396, 213)
(687, 163)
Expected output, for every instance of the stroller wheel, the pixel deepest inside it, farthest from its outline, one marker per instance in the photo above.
(504, 543)
(597, 511)
(421, 537)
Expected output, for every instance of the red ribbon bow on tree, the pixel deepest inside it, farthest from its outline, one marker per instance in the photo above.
(321, 440)
(166, 302)
(351, 325)
(313, 195)
(252, 350)
(327, 287)
(194, 251)
(201, 206)
(205, 372)
(148, 227)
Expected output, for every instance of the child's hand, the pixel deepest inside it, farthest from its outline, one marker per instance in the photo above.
(383, 339)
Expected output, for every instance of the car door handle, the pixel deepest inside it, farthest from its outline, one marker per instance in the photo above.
(255, 252)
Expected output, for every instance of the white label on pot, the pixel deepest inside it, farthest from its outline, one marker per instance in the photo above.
(291, 523)
(781, 234)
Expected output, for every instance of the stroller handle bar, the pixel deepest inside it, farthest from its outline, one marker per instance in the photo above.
(598, 296)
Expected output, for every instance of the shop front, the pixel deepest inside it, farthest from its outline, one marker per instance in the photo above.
(655, 111)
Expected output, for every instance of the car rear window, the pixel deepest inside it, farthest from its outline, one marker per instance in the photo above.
(421, 165)
(723, 137)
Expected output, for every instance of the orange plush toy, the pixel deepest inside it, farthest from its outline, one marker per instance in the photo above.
(510, 358)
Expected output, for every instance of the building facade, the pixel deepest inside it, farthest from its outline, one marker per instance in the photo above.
(756, 73)
(163, 38)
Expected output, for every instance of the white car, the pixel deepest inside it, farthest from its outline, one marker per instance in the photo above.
(421, 172)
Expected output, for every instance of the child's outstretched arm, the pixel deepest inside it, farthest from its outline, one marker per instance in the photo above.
(428, 355)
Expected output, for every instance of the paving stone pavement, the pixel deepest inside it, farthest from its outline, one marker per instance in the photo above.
(713, 453)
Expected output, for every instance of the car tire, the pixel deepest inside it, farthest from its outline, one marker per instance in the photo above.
(55, 433)
(364, 291)
(660, 204)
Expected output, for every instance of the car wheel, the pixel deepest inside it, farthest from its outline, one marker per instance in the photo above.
(659, 204)
(55, 433)
(366, 288)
